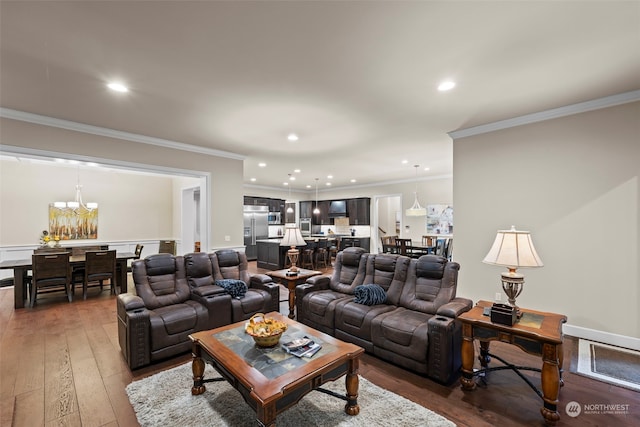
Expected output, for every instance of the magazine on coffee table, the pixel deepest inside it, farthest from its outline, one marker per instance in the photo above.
(301, 347)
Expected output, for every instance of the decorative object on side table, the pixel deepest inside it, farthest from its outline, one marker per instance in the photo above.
(513, 249)
(293, 238)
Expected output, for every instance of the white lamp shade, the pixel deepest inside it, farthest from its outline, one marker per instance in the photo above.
(513, 248)
(292, 236)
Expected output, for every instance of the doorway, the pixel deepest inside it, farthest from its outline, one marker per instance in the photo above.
(387, 219)
(193, 214)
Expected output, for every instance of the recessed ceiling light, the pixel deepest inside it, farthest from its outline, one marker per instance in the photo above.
(92, 164)
(292, 178)
(292, 137)
(426, 169)
(328, 184)
(308, 185)
(353, 180)
(253, 180)
(285, 183)
(118, 87)
(405, 161)
(329, 176)
(262, 164)
(296, 170)
(446, 85)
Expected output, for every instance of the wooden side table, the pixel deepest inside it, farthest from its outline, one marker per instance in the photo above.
(291, 282)
(536, 333)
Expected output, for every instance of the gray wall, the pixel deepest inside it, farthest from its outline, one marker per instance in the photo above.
(573, 182)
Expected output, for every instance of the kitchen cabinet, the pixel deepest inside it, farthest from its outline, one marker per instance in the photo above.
(323, 217)
(358, 211)
(306, 209)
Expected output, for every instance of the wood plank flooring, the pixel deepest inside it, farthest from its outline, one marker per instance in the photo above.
(60, 364)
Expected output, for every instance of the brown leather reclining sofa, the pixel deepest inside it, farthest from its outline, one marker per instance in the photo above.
(415, 327)
(177, 296)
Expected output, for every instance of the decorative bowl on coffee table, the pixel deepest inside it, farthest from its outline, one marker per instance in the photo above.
(266, 332)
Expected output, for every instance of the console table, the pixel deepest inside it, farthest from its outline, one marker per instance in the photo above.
(536, 333)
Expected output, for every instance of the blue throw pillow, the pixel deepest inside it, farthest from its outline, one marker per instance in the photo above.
(371, 294)
(235, 288)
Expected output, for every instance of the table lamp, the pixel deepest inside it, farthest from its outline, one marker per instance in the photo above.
(513, 249)
(293, 238)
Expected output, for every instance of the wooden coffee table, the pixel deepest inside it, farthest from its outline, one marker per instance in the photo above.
(291, 281)
(269, 379)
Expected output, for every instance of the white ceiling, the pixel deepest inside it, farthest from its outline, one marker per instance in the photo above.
(355, 80)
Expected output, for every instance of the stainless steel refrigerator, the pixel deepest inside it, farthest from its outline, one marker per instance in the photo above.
(256, 227)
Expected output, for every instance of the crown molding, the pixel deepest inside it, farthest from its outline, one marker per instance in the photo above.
(582, 107)
(354, 187)
(111, 133)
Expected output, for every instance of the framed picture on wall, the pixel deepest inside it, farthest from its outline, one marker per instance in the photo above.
(439, 219)
(73, 223)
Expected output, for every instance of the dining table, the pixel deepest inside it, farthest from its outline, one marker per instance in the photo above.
(20, 268)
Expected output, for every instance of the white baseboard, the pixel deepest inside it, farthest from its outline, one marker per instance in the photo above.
(601, 336)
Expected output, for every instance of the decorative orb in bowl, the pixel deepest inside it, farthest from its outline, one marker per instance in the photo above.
(266, 332)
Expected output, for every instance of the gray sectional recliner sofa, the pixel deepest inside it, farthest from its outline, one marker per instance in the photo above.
(415, 327)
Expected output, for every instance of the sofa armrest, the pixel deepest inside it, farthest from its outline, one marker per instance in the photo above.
(130, 302)
(218, 305)
(207, 290)
(319, 282)
(133, 330)
(259, 279)
(270, 286)
(455, 307)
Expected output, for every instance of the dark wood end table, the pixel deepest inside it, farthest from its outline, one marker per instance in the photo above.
(291, 281)
(536, 333)
(271, 380)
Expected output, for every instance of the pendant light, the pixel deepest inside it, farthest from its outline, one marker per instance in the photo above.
(416, 209)
(289, 201)
(316, 211)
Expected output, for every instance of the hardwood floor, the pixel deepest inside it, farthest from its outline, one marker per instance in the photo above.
(60, 364)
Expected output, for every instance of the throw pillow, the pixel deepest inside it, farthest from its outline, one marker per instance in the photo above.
(370, 294)
(235, 288)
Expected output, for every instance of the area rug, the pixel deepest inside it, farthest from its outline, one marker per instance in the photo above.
(165, 399)
(610, 364)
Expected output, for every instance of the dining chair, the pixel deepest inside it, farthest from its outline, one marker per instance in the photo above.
(51, 273)
(99, 267)
(167, 247)
(441, 246)
(402, 246)
(137, 253)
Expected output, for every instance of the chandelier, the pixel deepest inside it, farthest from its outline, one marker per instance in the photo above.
(416, 209)
(77, 203)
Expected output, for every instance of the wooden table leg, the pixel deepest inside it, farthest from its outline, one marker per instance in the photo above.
(121, 280)
(19, 287)
(198, 371)
(466, 380)
(266, 415)
(550, 380)
(484, 357)
(291, 285)
(352, 383)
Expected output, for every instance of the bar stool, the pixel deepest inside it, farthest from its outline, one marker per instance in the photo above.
(333, 250)
(321, 253)
(308, 254)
